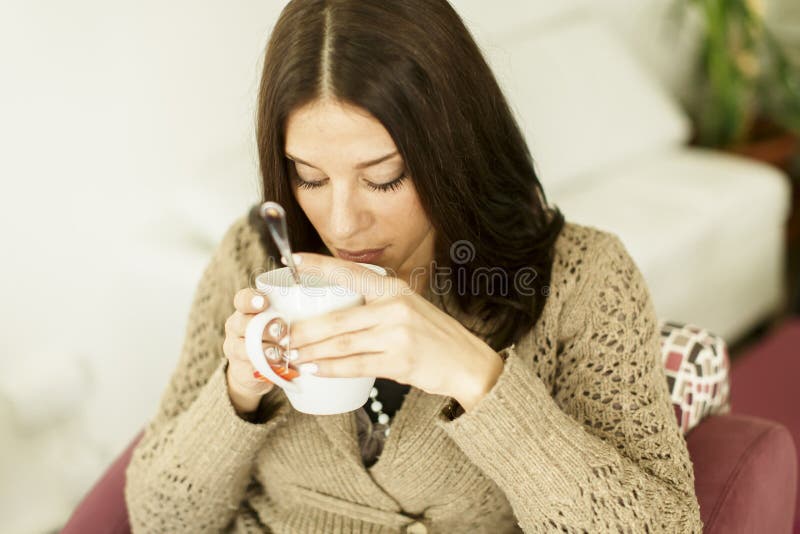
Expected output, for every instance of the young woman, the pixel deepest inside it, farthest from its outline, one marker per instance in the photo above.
(517, 355)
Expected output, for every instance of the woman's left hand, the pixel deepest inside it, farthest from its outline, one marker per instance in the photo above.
(397, 334)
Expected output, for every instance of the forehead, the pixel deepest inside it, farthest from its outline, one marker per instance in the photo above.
(320, 128)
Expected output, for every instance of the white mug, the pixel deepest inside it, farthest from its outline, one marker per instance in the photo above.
(288, 301)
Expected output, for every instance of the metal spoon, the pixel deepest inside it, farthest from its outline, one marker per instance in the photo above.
(275, 216)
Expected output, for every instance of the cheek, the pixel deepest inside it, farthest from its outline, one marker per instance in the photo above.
(402, 216)
(312, 206)
(396, 210)
(407, 220)
(409, 210)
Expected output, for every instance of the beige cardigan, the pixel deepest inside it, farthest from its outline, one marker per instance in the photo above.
(578, 434)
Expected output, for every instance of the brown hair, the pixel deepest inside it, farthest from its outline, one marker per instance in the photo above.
(415, 67)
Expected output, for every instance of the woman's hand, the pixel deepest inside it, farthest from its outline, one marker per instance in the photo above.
(246, 386)
(397, 334)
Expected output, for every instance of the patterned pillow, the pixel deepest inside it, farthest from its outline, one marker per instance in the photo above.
(697, 366)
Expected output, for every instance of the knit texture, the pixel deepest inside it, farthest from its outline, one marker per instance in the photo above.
(577, 435)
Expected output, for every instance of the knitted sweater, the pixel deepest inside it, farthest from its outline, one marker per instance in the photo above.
(577, 435)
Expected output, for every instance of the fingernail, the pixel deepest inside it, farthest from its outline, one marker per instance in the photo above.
(257, 302)
(292, 355)
(284, 342)
(310, 368)
(275, 330)
(272, 354)
(297, 259)
(283, 260)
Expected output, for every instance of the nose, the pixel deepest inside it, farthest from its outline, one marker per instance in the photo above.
(347, 214)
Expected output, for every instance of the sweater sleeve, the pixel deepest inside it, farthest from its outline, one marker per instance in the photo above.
(191, 469)
(599, 450)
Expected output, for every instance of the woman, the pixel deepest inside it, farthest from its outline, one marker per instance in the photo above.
(531, 398)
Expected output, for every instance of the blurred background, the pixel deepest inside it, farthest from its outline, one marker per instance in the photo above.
(127, 136)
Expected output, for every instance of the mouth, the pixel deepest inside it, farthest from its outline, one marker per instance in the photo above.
(362, 256)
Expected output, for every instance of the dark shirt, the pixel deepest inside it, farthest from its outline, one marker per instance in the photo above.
(390, 395)
(371, 433)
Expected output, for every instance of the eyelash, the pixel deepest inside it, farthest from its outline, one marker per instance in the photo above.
(394, 185)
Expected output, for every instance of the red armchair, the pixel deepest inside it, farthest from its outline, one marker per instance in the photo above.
(103, 508)
(745, 472)
(764, 384)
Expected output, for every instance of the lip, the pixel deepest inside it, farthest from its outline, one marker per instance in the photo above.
(363, 256)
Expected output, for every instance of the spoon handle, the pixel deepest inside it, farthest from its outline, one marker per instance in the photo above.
(276, 222)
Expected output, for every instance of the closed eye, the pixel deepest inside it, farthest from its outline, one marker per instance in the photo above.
(394, 185)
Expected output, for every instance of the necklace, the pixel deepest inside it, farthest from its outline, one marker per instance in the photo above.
(377, 407)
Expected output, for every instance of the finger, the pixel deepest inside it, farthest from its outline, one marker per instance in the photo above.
(275, 330)
(236, 349)
(362, 365)
(348, 344)
(272, 353)
(350, 275)
(248, 300)
(287, 373)
(260, 378)
(243, 370)
(338, 322)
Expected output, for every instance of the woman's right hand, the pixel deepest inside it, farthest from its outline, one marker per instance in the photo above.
(245, 385)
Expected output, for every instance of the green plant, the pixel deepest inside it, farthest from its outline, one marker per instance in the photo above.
(743, 72)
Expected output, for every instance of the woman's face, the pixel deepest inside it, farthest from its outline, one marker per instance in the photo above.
(352, 185)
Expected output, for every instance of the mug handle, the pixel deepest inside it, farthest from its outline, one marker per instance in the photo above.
(255, 351)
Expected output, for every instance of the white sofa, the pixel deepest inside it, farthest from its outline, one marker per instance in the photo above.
(150, 138)
(610, 143)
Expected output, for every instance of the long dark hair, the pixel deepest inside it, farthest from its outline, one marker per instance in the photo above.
(415, 67)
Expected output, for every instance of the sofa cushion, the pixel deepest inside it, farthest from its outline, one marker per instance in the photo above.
(697, 222)
(582, 100)
(697, 367)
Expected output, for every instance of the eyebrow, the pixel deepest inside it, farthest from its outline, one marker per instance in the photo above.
(362, 165)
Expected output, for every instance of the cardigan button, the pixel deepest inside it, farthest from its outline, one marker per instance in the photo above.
(417, 528)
